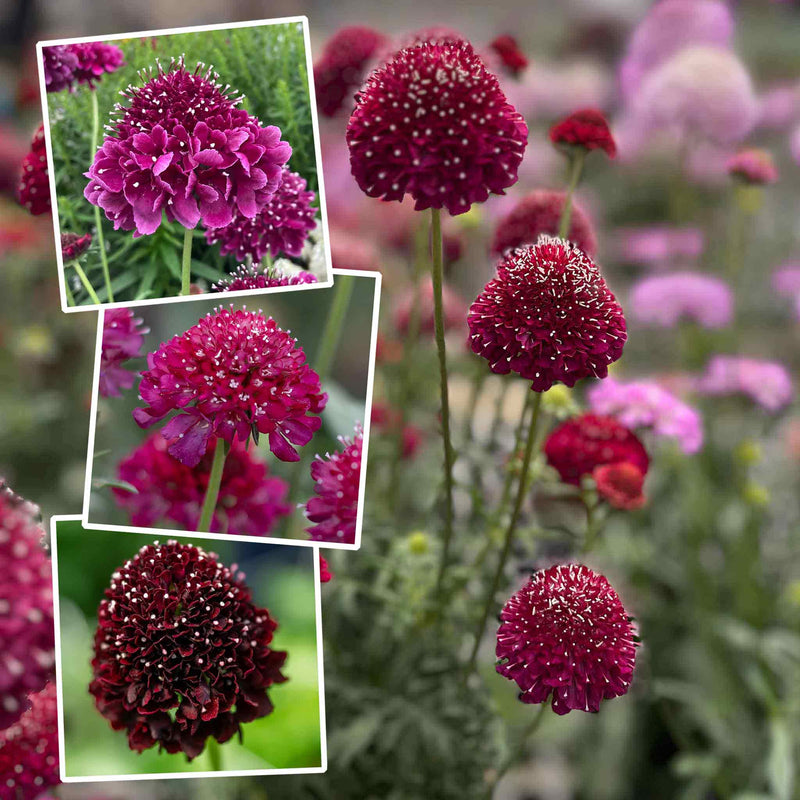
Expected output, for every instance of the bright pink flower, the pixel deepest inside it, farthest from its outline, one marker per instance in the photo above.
(754, 166)
(587, 128)
(96, 59)
(510, 54)
(325, 573)
(33, 190)
(73, 245)
(620, 485)
(767, 383)
(244, 278)
(455, 309)
(123, 337)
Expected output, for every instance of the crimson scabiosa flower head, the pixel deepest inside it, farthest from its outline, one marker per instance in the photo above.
(566, 633)
(511, 57)
(61, 65)
(754, 166)
(246, 277)
(548, 316)
(73, 245)
(334, 509)
(29, 749)
(181, 652)
(282, 226)
(123, 337)
(587, 129)
(433, 123)
(581, 444)
(250, 501)
(233, 374)
(620, 485)
(96, 59)
(33, 190)
(183, 147)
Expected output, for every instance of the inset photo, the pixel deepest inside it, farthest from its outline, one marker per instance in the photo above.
(185, 658)
(183, 162)
(248, 419)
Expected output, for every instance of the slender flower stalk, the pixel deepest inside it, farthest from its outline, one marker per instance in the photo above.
(186, 262)
(85, 281)
(214, 481)
(332, 333)
(214, 755)
(576, 161)
(97, 218)
(515, 755)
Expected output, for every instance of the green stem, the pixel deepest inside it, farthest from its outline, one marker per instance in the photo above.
(98, 221)
(214, 480)
(186, 262)
(267, 260)
(518, 751)
(329, 344)
(70, 296)
(575, 169)
(592, 527)
(522, 489)
(85, 281)
(214, 754)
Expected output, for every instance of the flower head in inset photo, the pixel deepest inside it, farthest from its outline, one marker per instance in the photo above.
(33, 190)
(60, 67)
(766, 383)
(96, 59)
(245, 278)
(754, 166)
(181, 652)
(566, 634)
(234, 374)
(587, 129)
(123, 337)
(73, 245)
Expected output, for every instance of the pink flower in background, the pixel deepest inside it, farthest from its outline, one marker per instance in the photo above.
(779, 106)
(786, 281)
(766, 383)
(620, 485)
(587, 128)
(244, 278)
(33, 190)
(123, 337)
(325, 574)
(60, 67)
(644, 404)
(658, 245)
(433, 123)
(455, 309)
(753, 166)
(353, 251)
(794, 144)
(566, 634)
(73, 245)
(666, 300)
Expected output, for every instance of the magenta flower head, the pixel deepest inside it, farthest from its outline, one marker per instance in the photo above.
(666, 300)
(61, 67)
(566, 633)
(250, 501)
(182, 147)
(753, 166)
(334, 510)
(766, 383)
(548, 316)
(246, 277)
(96, 59)
(26, 608)
(181, 652)
(235, 373)
(73, 245)
(123, 337)
(282, 226)
(433, 123)
(33, 190)
(586, 129)
(29, 749)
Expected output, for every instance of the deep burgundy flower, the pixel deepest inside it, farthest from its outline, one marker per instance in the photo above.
(96, 59)
(250, 502)
(540, 212)
(512, 58)
(244, 278)
(455, 309)
(343, 64)
(754, 166)
(26, 607)
(587, 128)
(325, 573)
(181, 652)
(566, 632)
(282, 226)
(73, 245)
(433, 123)
(548, 315)
(620, 485)
(33, 190)
(61, 65)
(29, 749)
(232, 374)
(338, 478)
(123, 337)
(581, 444)
(182, 147)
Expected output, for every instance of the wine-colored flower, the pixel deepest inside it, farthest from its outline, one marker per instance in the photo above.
(96, 59)
(548, 315)
(325, 573)
(123, 337)
(250, 503)
(620, 485)
(510, 54)
(26, 608)
(433, 123)
(566, 632)
(579, 445)
(587, 128)
(182, 147)
(337, 478)
(33, 190)
(753, 166)
(659, 245)
(233, 374)
(766, 383)
(421, 297)
(181, 652)
(245, 277)
(281, 226)
(73, 245)
(540, 212)
(60, 67)
(29, 749)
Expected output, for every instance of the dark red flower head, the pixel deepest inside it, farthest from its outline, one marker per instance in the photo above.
(581, 444)
(566, 632)
(548, 315)
(244, 278)
(586, 128)
(540, 212)
(73, 245)
(26, 607)
(232, 374)
(620, 485)
(33, 190)
(282, 226)
(181, 653)
(123, 337)
(182, 147)
(512, 58)
(251, 501)
(29, 749)
(433, 123)
(334, 510)
(60, 67)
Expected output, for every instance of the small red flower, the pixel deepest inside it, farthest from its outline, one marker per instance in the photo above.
(33, 190)
(325, 574)
(586, 128)
(73, 245)
(753, 166)
(620, 485)
(512, 58)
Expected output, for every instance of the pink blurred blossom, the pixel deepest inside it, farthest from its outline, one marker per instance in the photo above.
(666, 300)
(766, 383)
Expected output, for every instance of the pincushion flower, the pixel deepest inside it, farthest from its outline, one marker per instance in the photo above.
(433, 123)
(26, 607)
(421, 298)
(337, 477)
(33, 190)
(96, 59)
(60, 67)
(511, 57)
(620, 485)
(123, 337)
(540, 212)
(548, 316)
(251, 501)
(181, 652)
(766, 383)
(566, 633)
(182, 147)
(281, 226)
(754, 166)
(29, 749)
(659, 245)
(73, 245)
(581, 444)
(232, 374)
(246, 277)
(587, 129)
